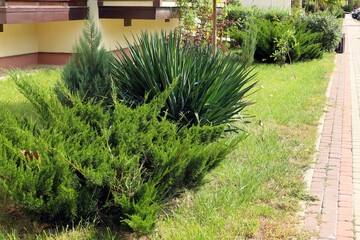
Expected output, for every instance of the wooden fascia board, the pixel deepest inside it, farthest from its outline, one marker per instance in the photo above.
(29, 15)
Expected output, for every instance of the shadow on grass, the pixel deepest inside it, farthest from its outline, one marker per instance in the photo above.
(16, 224)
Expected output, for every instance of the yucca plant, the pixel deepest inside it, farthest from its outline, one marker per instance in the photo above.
(211, 88)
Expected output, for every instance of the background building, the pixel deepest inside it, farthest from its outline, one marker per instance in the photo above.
(44, 31)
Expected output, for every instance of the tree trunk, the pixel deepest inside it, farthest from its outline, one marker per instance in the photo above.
(214, 31)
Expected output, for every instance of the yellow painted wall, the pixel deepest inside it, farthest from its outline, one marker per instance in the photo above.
(113, 30)
(59, 37)
(18, 39)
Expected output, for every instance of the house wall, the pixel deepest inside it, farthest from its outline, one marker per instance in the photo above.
(268, 4)
(114, 32)
(17, 39)
(52, 42)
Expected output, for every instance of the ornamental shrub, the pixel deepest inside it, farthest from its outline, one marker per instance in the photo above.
(337, 11)
(241, 15)
(82, 162)
(326, 23)
(244, 42)
(244, 16)
(267, 33)
(87, 73)
(211, 88)
(348, 8)
(274, 15)
(304, 44)
(309, 45)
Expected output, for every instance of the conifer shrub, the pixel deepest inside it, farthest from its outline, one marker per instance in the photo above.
(244, 42)
(307, 44)
(241, 15)
(87, 73)
(80, 162)
(211, 88)
(348, 8)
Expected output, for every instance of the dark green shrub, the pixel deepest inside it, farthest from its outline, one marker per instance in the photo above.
(241, 15)
(267, 33)
(348, 8)
(117, 166)
(88, 71)
(244, 16)
(326, 23)
(274, 15)
(244, 42)
(308, 45)
(313, 7)
(210, 87)
(305, 44)
(337, 11)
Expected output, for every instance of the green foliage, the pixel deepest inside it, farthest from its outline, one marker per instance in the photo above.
(196, 22)
(268, 32)
(309, 45)
(337, 12)
(241, 15)
(284, 45)
(210, 89)
(245, 42)
(249, 44)
(87, 72)
(326, 23)
(348, 8)
(268, 38)
(274, 15)
(117, 166)
(244, 16)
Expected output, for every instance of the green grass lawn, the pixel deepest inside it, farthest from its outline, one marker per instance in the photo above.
(255, 193)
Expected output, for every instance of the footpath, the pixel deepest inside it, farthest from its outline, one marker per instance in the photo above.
(335, 179)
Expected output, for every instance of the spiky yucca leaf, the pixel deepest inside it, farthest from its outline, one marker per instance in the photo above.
(211, 88)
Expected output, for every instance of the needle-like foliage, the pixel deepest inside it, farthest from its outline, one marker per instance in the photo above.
(115, 165)
(88, 71)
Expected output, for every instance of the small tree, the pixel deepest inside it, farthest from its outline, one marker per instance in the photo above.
(87, 73)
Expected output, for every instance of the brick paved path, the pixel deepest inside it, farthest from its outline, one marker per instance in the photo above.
(336, 174)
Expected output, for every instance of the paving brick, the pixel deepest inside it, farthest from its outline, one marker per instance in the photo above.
(339, 146)
(311, 222)
(345, 213)
(327, 231)
(345, 229)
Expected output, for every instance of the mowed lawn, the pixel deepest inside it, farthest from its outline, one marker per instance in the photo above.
(255, 193)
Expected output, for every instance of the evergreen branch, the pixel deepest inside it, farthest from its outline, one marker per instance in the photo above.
(3, 176)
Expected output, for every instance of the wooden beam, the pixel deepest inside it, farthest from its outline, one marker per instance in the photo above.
(157, 3)
(1, 28)
(127, 22)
